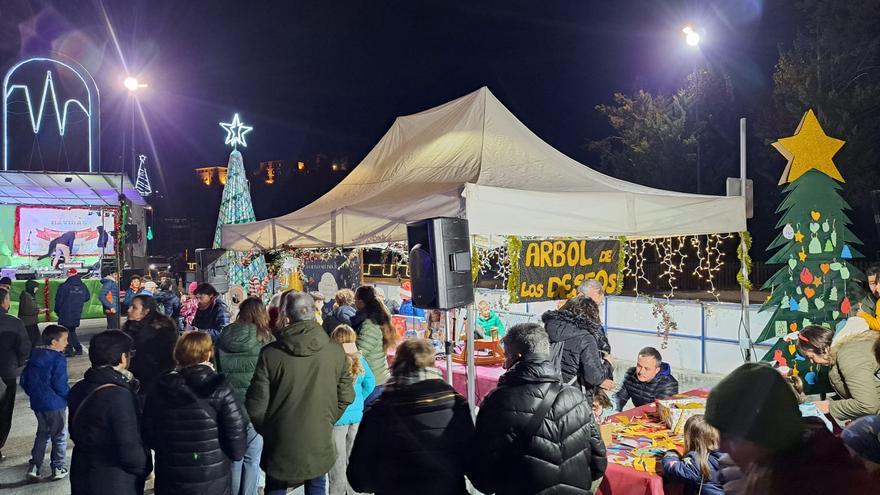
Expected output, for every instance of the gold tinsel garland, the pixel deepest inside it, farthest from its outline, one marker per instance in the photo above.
(514, 245)
(746, 259)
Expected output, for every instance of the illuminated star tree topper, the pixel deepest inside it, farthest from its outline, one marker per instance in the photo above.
(235, 132)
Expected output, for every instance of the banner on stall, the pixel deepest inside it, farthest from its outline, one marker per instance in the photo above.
(548, 270)
(328, 276)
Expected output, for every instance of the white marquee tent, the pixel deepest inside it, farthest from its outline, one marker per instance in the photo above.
(473, 158)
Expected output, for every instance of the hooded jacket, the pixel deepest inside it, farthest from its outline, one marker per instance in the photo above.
(563, 456)
(687, 469)
(237, 351)
(169, 303)
(194, 423)
(27, 304)
(108, 455)
(109, 295)
(414, 438)
(154, 340)
(44, 379)
(853, 376)
(662, 386)
(364, 384)
(300, 388)
(70, 298)
(581, 356)
(338, 316)
(372, 346)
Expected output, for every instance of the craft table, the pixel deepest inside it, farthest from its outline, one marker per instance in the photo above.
(624, 480)
(486, 380)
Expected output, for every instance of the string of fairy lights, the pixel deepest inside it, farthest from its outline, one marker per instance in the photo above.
(672, 254)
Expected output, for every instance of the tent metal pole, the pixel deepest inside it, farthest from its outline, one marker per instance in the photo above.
(471, 367)
(744, 293)
(450, 346)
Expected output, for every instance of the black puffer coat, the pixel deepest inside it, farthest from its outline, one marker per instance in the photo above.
(563, 457)
(194, 423)
(414, 439)
(581, 352)
(154, 340)
(662, 386)
(109, 457)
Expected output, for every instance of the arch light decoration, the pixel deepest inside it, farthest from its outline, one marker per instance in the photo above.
(37, 108)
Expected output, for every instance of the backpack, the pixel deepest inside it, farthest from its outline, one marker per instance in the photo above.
(556, 349)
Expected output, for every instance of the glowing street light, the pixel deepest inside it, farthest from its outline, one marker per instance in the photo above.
(132, 84)
(691, 37)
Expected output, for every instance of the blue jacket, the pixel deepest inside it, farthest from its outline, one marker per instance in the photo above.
(44, 379)
(407, 309)
(70, 298)
(213, 319)
(109, 293)
(687, 470)
(363, 387)
(169, 303)
(129, 295)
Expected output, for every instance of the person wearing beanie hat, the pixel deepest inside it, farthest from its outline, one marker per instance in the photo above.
(862, 438)
(6, 283)
(762, 430)
(406, 307)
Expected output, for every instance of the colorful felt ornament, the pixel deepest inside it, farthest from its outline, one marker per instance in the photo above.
(792, 349)
(792, 326)
(819, 303)
(788, 231)
(832, 294)
(809, 292)
(815, 246)
(802, 255)
(825, 267)
(806, 276)
(814, 227)
(792, 305)
(798, 236)
(780, 330)
(835, 314)
(815, 215)
(846, 253)
(829, 248)
(834, 238)
(826, 226)
(845, 306)
(810, 377)
(783, 303)
(836, 266)
(792, 263)
(779, 358)
(844, 273)
(803, 306)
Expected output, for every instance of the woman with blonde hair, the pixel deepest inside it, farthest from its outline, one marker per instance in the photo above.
(237, 350)
(345, 430)
(193, 422)
(376, 336)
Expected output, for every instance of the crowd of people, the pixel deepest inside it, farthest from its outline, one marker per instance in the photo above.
(301, 393)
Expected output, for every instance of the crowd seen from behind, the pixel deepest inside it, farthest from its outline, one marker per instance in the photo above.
(301, 393)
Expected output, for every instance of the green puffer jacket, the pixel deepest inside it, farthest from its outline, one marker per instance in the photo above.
(300, 388)
(236, 354)
(853, 376)
(369, 343)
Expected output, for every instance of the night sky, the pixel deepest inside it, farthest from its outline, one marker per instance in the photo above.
(331, 76)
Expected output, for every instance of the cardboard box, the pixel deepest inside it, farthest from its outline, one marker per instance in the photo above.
(675, 412)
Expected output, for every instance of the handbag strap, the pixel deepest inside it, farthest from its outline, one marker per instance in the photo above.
(535, 421)
(86, 399)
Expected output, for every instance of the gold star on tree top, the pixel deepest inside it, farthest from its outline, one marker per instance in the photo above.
(809, 148)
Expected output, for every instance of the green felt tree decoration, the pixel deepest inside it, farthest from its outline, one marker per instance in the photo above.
(816, 284)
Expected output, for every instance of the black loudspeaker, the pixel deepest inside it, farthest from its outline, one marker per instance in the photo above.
(211, 268)
(440, 263)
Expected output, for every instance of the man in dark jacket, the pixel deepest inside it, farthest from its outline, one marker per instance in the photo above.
(109, 457)
(109, 296)
(212, 315)
(295, 415)
(650, 379)
(563, 455)
(14, 349)
(28, 312)
(428, 424)
(70, 298)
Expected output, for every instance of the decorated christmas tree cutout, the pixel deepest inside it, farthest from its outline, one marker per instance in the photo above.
(815, 285)
(142, 183)
(236, 207)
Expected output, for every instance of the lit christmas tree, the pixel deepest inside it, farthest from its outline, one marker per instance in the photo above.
(142, 183)
(816, 286)
(236, 207)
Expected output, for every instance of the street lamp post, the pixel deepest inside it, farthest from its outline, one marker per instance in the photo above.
(692, 39)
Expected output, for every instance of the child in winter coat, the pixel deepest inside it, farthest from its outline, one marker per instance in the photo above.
(44, 379)
(698, 469)
(346, 428)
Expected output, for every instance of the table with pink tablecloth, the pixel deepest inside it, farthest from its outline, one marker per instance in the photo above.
(486, 380)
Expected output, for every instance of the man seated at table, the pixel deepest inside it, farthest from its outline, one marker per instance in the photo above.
(650, 379)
